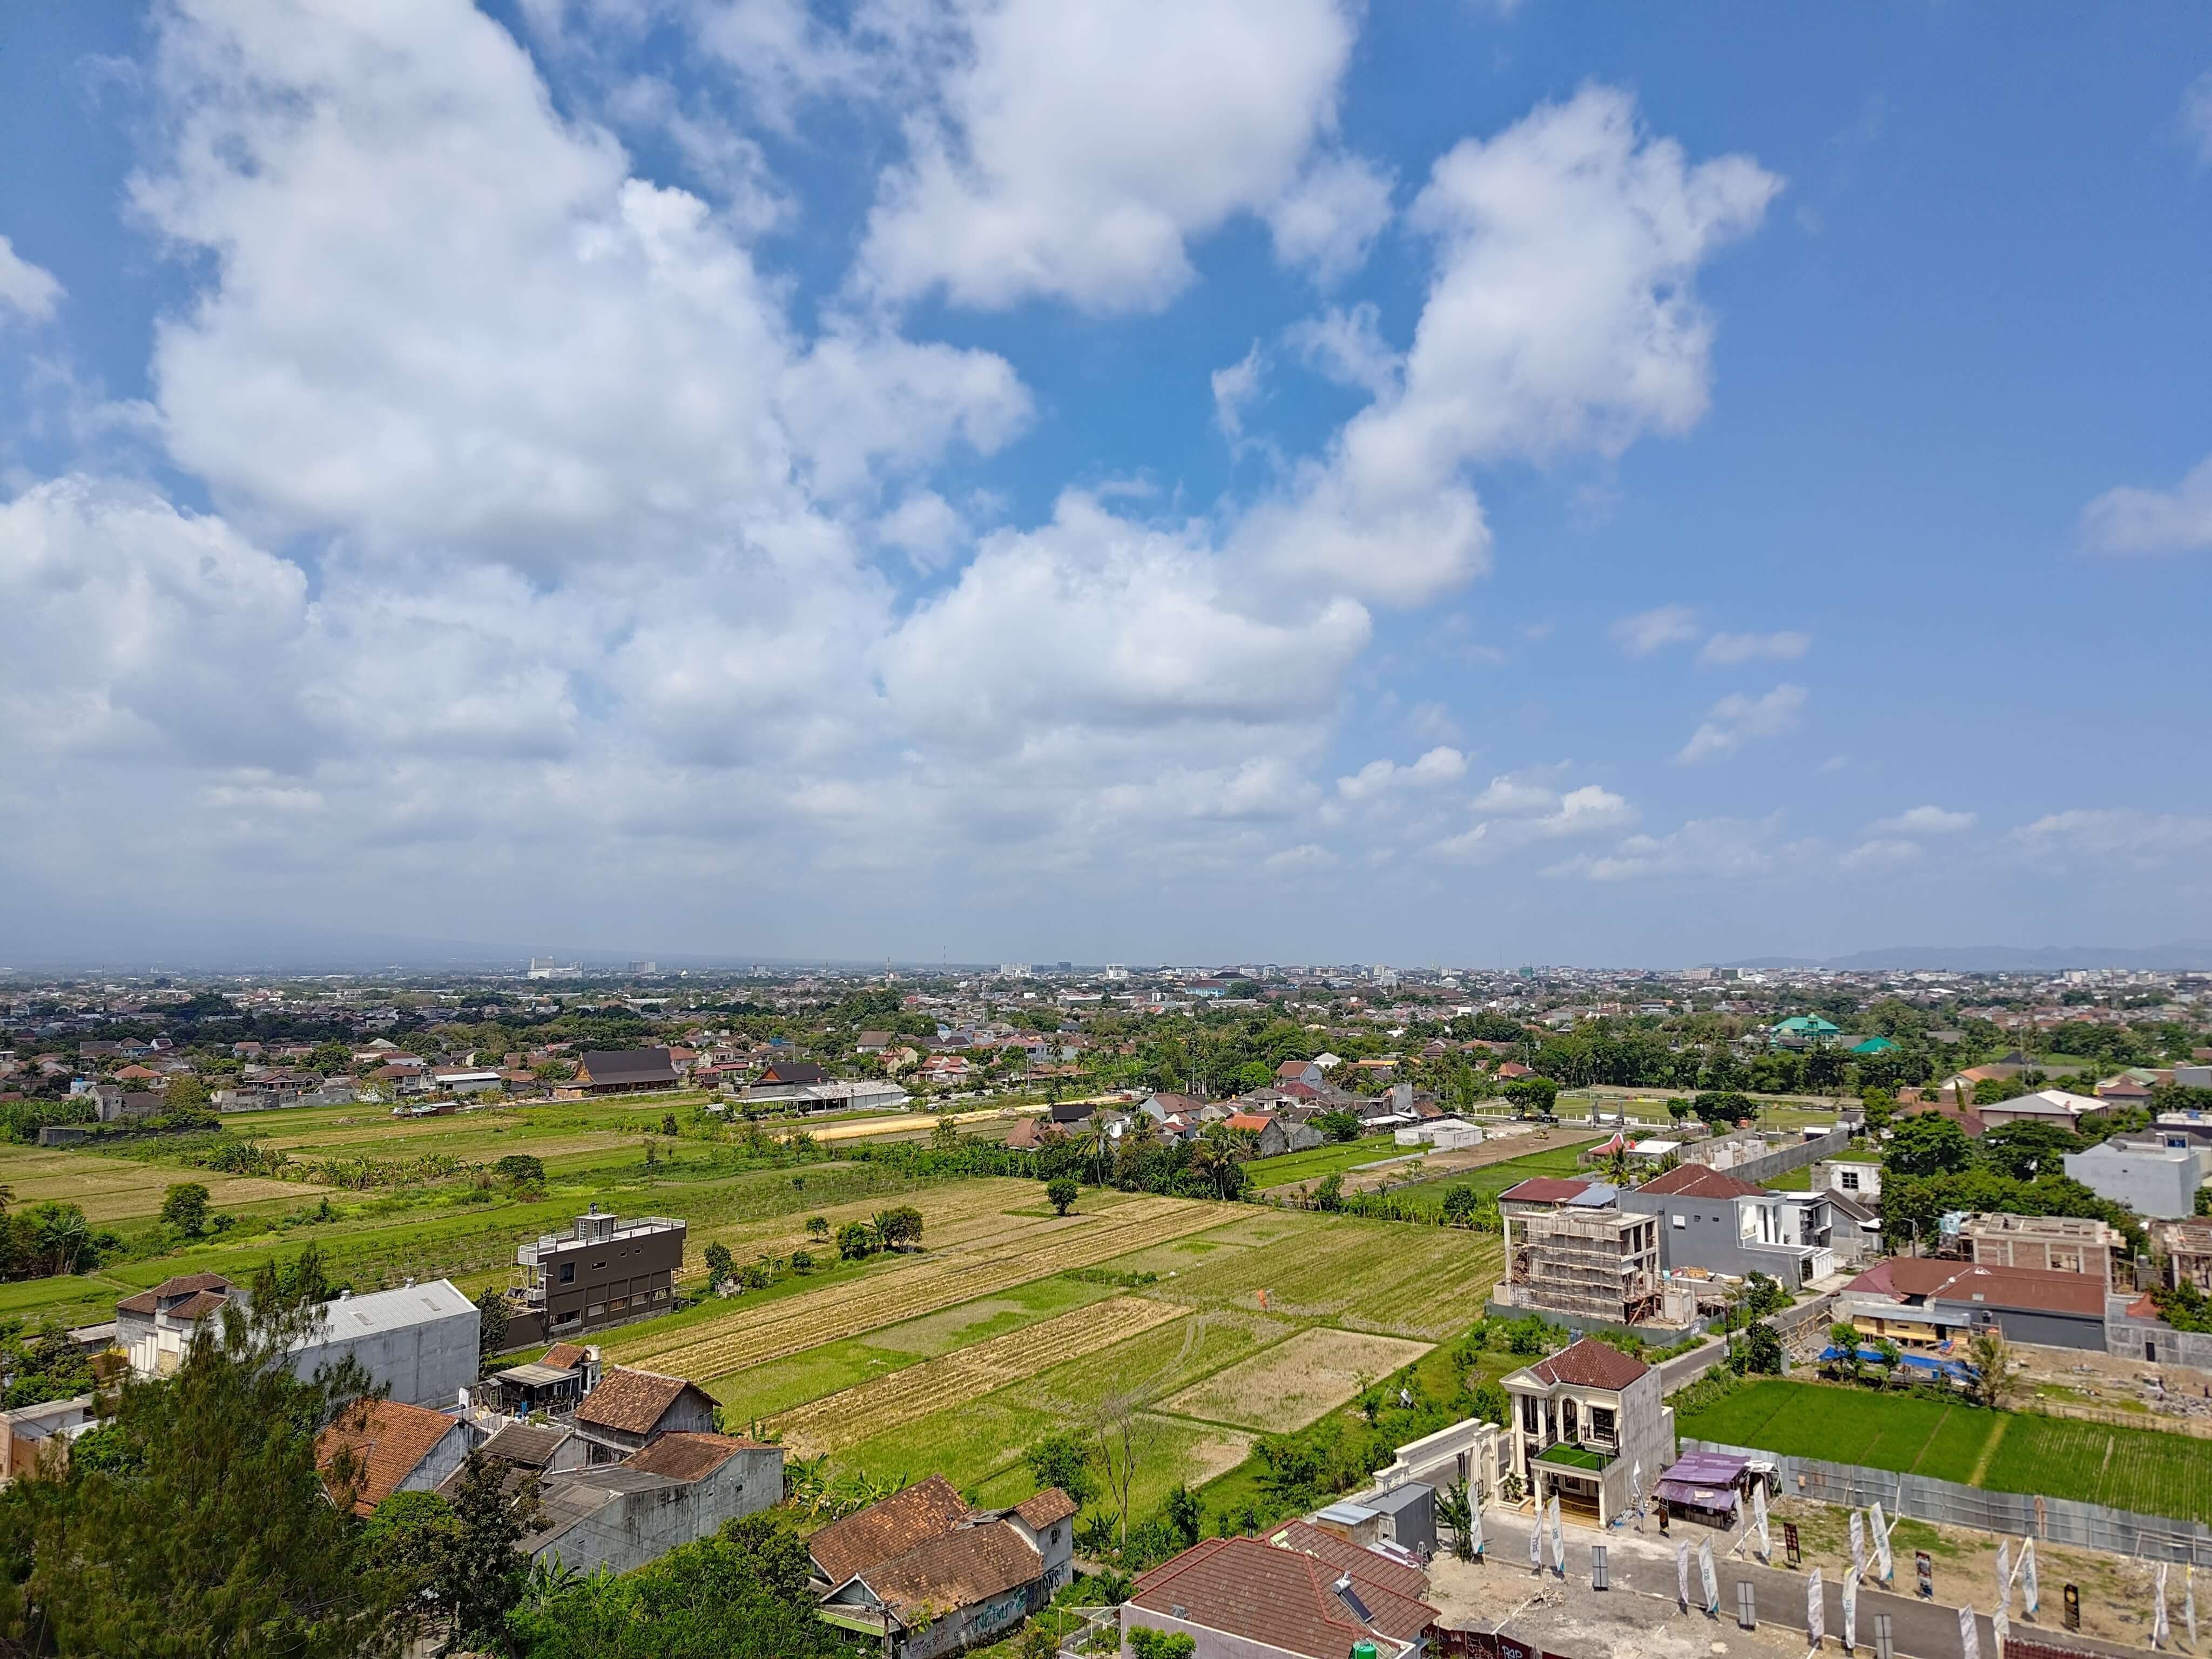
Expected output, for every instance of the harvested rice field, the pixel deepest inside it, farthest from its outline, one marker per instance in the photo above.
(1293, 1383)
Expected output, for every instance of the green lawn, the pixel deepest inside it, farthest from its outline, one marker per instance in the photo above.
(1494, 1178)
(2139, 1469)
(1332, 1160)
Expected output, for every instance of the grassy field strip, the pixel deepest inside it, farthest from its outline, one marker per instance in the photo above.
(2150, 1472)
(955, 1378)
(750, 1336)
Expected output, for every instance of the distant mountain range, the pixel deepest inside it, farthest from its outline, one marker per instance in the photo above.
(2184, 958)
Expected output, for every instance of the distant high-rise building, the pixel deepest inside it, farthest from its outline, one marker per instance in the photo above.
(1013, 970)
(1117, 972)
(645, 967)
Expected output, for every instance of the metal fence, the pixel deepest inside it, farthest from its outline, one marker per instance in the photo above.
(2059, 1520)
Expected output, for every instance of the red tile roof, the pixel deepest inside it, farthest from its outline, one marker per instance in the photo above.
(955, 1571)
(564, 1356)
(1542, 1189)
(1046, 1507)
(887, 1529)
(1254, 1121)
(1278, 1597)
(2030, 1288)
(391, 1439)
(1696, 1180)
(688, 1457)
(198, 1305)
(1364, 1565)
(1589, 1364)
(630, 1402)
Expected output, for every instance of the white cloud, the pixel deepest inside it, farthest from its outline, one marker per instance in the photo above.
(925, 526)
(1326, 221)
(1722, 847)
(1347, 345)
(24, 287)
(1078, 145)
(2109, 834)
(1731, 649)
(1888, 853)
(1234, 387)
(1302, 857)
(1532, 789)
(1561, 315)
(1735, 721)
(2177, 520)
(1925, 821)
(1441, 765)
(1589, 810)
(1654, 630)
(2196, 116)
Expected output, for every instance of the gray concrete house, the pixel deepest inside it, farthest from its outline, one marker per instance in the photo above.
(419, 1340)
(680, 1488)
(1712, 1219)
(2155, 1174)
(1583, 1421)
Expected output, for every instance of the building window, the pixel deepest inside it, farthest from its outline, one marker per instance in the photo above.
(568, 1272)
(1851, 1181)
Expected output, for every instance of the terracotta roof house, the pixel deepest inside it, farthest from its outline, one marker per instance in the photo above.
(539, 1448)
(1268, 1601)
(399, 1447)
(154, 1326)
(629, 1409)
(1582, 1420)
(931, 1576)
(1923, 1303)
(679, 1489)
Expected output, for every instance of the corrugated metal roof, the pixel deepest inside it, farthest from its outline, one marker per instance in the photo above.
(355, 1316)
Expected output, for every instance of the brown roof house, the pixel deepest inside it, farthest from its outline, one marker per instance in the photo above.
(622, 1072)
(925, 1575)
(630, 1409)
(1240, 1596)
(396, 1448)
(155, 1327)
(680, 1488)
(1583, 1422)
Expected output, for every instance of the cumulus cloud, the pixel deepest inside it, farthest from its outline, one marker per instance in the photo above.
(24, 287)
(1654, 630)
(1925, 821)
(2177, 520)
(1719, 847)
(1443, 764)
(1735, 721)
(1528, 815)
(1561, 314)
(1078, 145)
(1886, 853)
(1235, 387)
(1346, 346)
(1327, 220)
(2120, 834)
(1729, 650)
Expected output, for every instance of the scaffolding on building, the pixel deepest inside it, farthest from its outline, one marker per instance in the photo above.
(1596, 1264)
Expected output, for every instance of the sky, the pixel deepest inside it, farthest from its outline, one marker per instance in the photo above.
(1110, 480)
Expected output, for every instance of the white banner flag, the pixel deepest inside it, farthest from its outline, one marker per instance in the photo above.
(1682, 1572)
(1636, 1484)
(1816, 1609)
(2030, 1597)
(1850, 1611)
(1536, 1543)
(1711, 1580)
(1474, 1524)
(2189, 1601)
(1883, 1567)
(1558, 1541)
(1758, 1519)
(2004, 1576)
(2000, 1627)
(1858, 1542)
(1970, 1636)
(2158, 1626)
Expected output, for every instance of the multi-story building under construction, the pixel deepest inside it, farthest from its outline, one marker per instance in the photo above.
(1570, 1252)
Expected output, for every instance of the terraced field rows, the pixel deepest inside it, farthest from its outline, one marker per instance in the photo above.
(771, 1331)
(954, 1379)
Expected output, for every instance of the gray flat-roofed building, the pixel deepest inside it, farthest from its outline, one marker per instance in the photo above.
(420, 1340)
(2155, 1174)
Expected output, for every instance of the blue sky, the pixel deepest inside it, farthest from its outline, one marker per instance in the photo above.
(1133, 481)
